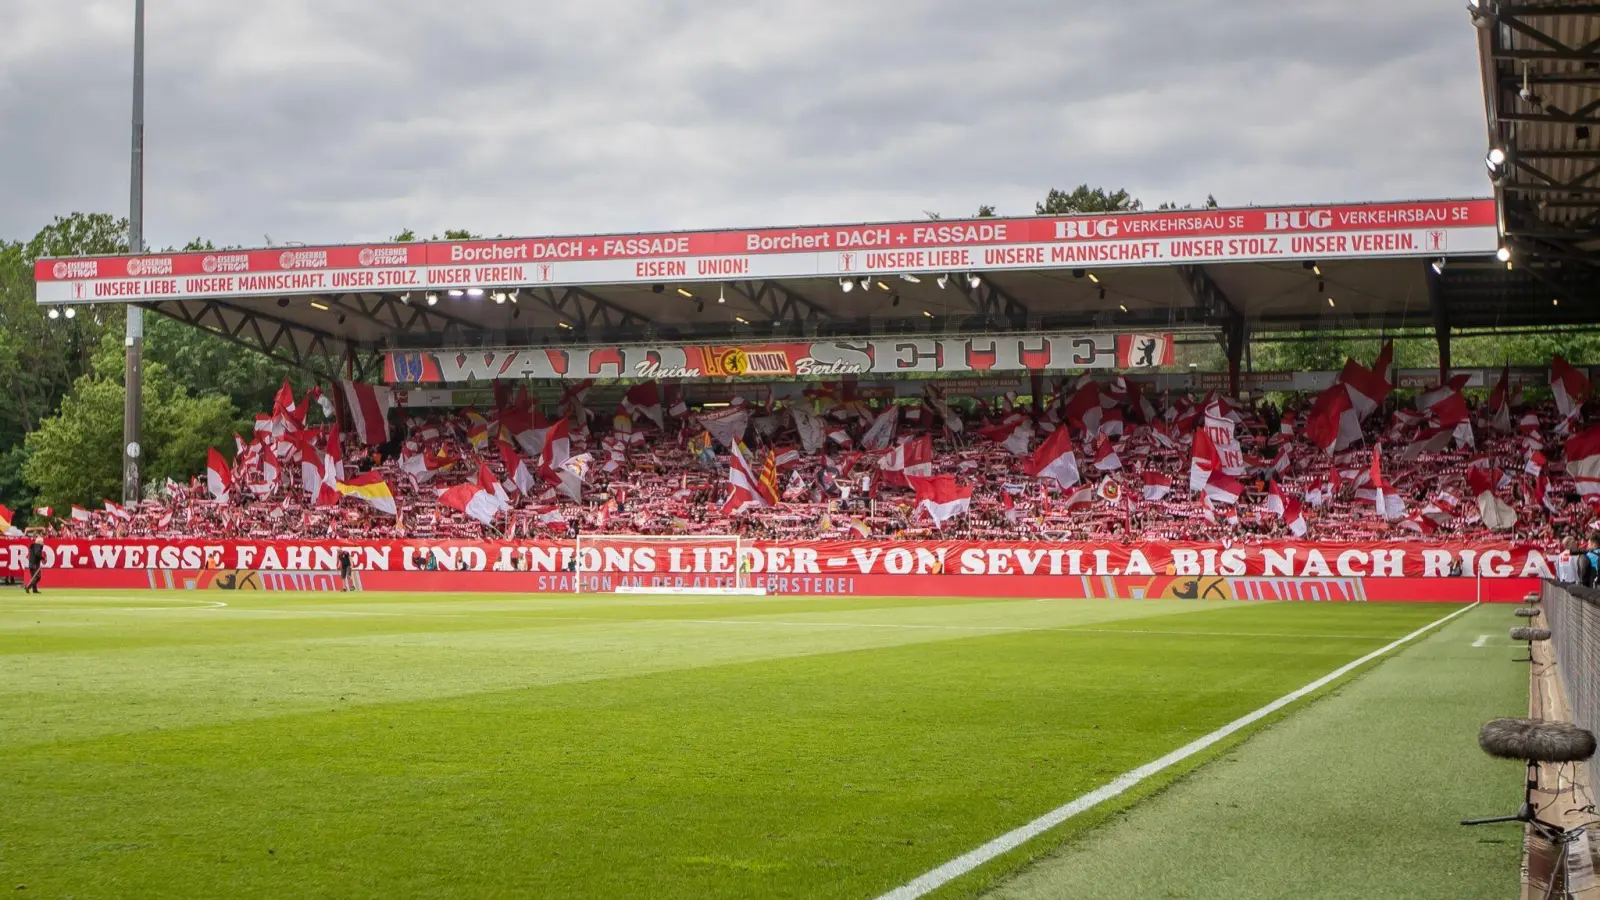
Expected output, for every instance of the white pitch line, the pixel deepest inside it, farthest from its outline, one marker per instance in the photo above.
(961, 865)
(1482, 641)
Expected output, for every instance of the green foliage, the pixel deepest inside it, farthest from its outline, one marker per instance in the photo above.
(75, 456)
(1084, 199)
(404, 237)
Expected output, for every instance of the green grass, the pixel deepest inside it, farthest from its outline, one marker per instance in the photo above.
(1356, 796)
(413, 746)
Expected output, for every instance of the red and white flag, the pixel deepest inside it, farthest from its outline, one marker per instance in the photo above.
(1366, 388)
(1333, 423)
(913, 457)
(1054, 460)
(1385, 499)
(219, 479)
(1223, 488)
(743, 490)
(516, 468)
(1433, 396)
(1541, 494)
(493, 487)
(472, 500)
(1105, 455)
(882, 432)
(368, 406)
(644, 400)
(1204, 461)
(1583, 462)
(1156, 485)
(1500, 402)
(44, 512)
(79, 514)
(1570, 386)
(941, 497)
(1495, 514)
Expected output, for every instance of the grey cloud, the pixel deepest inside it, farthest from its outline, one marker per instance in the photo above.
(326, 122)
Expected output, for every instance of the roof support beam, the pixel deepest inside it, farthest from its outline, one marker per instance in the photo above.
(318, 355)
(1441, 320)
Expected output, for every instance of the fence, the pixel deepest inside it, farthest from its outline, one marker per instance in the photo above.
(1573, 614)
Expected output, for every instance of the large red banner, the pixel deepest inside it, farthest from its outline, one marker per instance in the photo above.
(938, 559)
(1422, 228)
(1039, 587)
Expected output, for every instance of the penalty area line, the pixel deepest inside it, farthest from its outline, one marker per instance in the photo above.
(961, 865)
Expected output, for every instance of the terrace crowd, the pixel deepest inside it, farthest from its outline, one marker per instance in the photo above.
(1134, 453)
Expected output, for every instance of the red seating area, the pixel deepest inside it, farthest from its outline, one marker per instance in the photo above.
(659, 486)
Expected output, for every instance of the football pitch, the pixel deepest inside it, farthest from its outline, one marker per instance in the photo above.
(362, 745)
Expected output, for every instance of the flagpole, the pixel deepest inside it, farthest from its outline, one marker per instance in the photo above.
(133, 364)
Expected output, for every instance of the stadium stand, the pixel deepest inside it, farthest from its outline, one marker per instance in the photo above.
(1142, 467)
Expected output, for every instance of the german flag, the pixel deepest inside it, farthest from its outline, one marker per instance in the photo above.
(5, 522)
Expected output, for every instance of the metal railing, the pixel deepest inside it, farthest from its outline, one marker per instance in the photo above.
(1573, 614)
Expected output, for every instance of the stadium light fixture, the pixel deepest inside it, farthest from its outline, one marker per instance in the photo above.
(1330, 302)
(866, 283)
(721, 296)
(474, 292)
(321, 306)
(686, 292)
(500, 298)
(433, 298)
(1503, 254)
(928, 314)
(911, 278)
(883, 286)
(975, 281)
(54, 314)
(71, 313)
(457, 292)
(1094, 278)
(943, 281)
(846, 285)
(741, 320)
(564, 326)
(1122, 306)
(1438, 266)
(406, 297)
(1480, 16)
(1555, 301)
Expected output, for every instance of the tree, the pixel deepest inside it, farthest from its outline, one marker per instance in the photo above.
(1083, 199)
(1211, 203)
(404, 237)
(75, 456)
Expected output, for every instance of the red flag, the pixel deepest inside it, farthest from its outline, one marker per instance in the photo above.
(1054, 460)
(218, 477)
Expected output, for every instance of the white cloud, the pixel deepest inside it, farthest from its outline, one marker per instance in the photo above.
(327, 122)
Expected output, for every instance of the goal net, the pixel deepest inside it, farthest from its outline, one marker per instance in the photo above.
(661, 564)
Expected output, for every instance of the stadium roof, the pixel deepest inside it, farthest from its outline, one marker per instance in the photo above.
(1216, 270)
(1541, 77)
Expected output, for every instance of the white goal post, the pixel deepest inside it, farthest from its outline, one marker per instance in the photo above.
(662, 564)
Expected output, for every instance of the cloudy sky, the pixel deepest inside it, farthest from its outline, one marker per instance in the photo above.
(346, 120)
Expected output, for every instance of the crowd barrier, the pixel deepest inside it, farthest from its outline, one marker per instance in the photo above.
(1573, 616)
(1340, 572)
